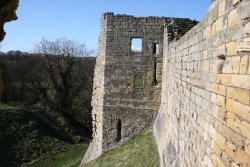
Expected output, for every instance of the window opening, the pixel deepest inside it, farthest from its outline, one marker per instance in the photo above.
(156, 48)
(119, 130)
(136, 44)
(139, 81)
(155, 82)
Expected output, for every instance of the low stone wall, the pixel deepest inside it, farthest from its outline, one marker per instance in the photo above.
(204, 117)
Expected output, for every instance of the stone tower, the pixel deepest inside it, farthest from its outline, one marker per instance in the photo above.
(128, 74)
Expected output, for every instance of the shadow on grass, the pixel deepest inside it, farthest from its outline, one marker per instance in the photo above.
(24, 138)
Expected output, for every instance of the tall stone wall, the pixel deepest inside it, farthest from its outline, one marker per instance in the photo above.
(204, 117)
(127, 84)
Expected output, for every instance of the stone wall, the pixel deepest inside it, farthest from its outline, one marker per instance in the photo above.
(204, 117)
(127, 82)
(7, 13)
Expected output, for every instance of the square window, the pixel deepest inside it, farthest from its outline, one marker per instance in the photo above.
(136, 44)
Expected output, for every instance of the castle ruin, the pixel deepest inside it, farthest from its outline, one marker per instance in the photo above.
(195, 77)
(128, 80)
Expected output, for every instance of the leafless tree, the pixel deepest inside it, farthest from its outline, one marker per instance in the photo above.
(63, 77)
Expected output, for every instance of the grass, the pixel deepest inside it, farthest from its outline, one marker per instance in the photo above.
(140, 151)
(26, 142)
(4, 106)
(23, 138)
(71, 158)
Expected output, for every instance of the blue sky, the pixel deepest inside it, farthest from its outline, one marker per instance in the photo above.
(80, 19)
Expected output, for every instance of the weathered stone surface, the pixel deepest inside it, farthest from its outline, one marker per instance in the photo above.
(243, 10)
(7, 13)
(244, 64)
(127, 83)
(200, 82)
(205, 106)
(236, 64)
(247, 30)
(231, 48)
(227, 66)
(232, 18)
(243, 45)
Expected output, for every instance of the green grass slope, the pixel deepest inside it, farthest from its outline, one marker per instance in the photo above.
(140, 151)
(71, 158)
(26, 141)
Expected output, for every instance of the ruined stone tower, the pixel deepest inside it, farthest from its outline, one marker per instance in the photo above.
(127, 82)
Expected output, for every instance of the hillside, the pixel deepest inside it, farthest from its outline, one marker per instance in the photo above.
(140, 151)
(26, 140)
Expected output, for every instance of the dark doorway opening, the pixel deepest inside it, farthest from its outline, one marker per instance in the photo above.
(119, 130)
(156, 48)
(155, 82)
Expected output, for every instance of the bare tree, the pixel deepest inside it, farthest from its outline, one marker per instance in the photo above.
(60, 77)
(62, 69)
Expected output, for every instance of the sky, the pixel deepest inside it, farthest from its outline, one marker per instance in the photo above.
(79, 20)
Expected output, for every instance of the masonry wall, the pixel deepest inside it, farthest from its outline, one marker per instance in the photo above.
(95, 148)
(204, 117)
(127, 83)
(135, 106)
(120, 109)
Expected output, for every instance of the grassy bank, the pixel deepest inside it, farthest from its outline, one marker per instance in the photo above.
(71, 158)
(25, 140)
(141, 151)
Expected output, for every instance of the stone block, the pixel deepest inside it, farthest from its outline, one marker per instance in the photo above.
(227, 67)
(243, 96)
(212, 131)
(243, 10)
(239, 109)
(248, 71)
(216, 65)
(236, 64)
(216, 148)
(221, 101)
(243, 45)
(207, 32)
(220, 51)
(231, 48)
(247, 146)
(226, 79)
(233, 122)
(230, 149)
(219, 24)
(215, 88)
(222, 6)
(243, 158)
(221, 140)
(244, 64)
(241, 81)
(245, 129)
(246, 31)
(235, 2)
(232, 136)
(231, 93)
(218, 162)
(206, 66)
(232, 18)
(222, 90)
(213, 29)
(207, 161)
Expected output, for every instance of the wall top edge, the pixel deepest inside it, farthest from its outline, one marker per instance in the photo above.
(111, 14)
